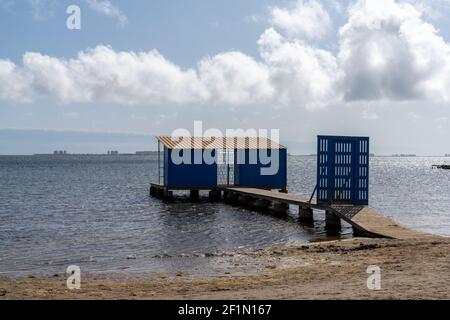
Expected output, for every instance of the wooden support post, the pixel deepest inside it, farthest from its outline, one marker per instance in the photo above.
(245, 200)
(305, 214)
(159, 162)
(226, 196)
(194, 194)
(159, 192)
(167, 195)
(332, 221)
(263, 203)
(280, 207)
(241, 199)
(152, 191)
(215, 194)
(230, 197)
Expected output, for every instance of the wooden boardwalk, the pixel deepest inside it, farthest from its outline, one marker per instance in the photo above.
(364, 219)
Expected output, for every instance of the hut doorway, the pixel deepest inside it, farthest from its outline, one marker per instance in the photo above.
(225, 167)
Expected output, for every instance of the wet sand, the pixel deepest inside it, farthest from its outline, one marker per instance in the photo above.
(410, 269)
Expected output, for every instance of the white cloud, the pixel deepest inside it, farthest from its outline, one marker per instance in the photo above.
(107, 8)
(235, 78)
(434, 10)
(302, 75)
(306, 19)
(387, 52)
(103, 75)
(290, 73)
(14, 84)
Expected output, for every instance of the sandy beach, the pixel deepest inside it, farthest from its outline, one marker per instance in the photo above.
(410, 269)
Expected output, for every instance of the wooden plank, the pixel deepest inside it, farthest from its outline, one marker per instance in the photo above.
(371, 220)
(157, 185)
(275, 196)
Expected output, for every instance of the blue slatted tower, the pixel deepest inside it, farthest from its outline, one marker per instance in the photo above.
(343, 170)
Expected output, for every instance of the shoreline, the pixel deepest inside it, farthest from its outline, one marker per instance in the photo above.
(410, 269)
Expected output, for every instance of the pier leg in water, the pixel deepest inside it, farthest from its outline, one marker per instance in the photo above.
(215, 194)
(332, 222)
(263, 204)
(194, 194)
(280, 207)
(305, 214)
(152, 191)
(167, 195)
(230, 197)
(246, 200)
(226, 196)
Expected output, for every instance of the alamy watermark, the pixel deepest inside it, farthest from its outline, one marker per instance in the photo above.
(73, 22)
(74, 280)
(374, 280)
(264, 150)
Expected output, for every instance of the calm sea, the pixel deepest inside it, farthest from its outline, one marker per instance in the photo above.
(95, 212)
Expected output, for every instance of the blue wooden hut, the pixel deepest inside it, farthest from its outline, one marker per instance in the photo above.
(194, 163)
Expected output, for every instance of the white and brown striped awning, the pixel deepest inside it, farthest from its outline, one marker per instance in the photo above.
(236, 143)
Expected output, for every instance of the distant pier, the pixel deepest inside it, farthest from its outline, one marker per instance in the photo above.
(441, 166)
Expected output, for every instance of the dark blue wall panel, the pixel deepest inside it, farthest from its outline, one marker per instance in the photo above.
(249, 175)
(202, 176)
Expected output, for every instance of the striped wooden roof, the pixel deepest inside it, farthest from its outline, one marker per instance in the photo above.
(218, 143)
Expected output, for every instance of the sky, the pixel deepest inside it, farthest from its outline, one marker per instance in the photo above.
(378, 68)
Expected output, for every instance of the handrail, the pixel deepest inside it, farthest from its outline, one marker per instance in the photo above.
(312, 196)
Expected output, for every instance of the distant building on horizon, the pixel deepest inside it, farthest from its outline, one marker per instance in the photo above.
(112, 153)
(59, 152)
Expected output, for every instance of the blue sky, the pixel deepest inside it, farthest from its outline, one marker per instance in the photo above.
(362, 67)
(183, 31)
